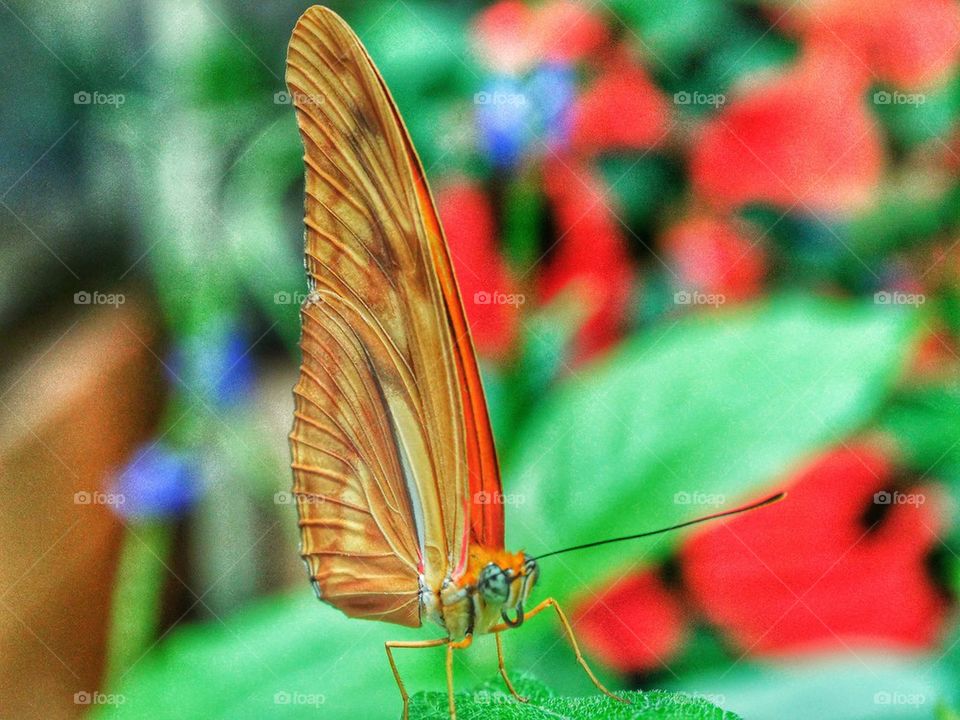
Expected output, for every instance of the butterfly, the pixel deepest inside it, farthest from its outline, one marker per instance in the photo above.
(395, 472)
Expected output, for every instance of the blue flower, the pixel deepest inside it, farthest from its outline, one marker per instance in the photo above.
(158, 482)
(504, 121)
(511, 113)
(552, 90)
(216, 364)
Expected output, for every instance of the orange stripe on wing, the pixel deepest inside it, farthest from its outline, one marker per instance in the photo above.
(486, 518)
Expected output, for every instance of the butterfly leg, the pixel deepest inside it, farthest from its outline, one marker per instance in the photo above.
(503, 671)
(389, 645)
(568, 629)
(450, 648)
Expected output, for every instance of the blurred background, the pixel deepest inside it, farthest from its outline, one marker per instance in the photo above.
(708, 249)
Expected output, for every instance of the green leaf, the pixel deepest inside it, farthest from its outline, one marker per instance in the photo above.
(254, 208)
(841, 686)
(672, 31)
(924, 421)
(491, 702)
(282, 658)
(701, 412)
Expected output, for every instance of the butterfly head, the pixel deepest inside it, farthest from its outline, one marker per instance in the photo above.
(503, 586)
(492, 591)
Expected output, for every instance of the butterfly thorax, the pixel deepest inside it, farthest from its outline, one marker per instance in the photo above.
(492, 590)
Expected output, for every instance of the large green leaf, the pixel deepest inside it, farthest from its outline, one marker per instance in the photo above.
(691, 416)
(298, 658)
(284, 658)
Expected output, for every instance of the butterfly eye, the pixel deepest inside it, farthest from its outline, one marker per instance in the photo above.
(531, 569)
(493, 584)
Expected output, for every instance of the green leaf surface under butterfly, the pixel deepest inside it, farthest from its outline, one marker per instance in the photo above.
(490, 702)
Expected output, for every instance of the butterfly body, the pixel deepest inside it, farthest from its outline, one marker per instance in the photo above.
(492, 591)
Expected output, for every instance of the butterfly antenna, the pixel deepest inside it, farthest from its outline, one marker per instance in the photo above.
(726, 513)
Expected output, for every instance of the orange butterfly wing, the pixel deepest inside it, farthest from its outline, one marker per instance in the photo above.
(390, 436)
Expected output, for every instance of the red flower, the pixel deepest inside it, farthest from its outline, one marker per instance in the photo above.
(910, 43)
(623, 110)
(816, 576)
(802, 138)
(590, 258)
(482, 275)
(568, 30)
(510, 37)
(502, 36)
(635, 625)
(716, 256)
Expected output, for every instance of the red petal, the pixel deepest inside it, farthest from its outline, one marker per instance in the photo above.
(635, 625)
(716, 256)
(623, 110)
(503, 37)
(568, 30)
(489, 292)
(910, 43)
(802, 139)
(590, 258)
(807, 575)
